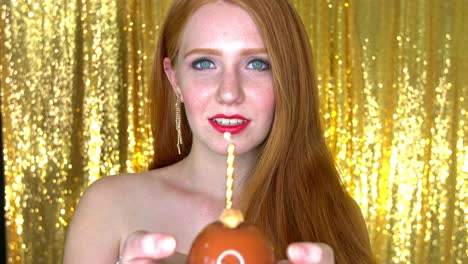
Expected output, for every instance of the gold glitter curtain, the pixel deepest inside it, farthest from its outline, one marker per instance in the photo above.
(393, 83)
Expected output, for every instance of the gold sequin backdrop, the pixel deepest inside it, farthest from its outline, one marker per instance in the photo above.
(394, 87)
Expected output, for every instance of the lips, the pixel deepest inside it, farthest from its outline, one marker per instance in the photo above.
(233, 124)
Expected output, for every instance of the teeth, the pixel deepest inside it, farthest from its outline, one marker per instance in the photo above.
(229, 122)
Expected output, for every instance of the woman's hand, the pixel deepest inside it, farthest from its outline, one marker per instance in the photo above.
(309, 253)
(143, 247)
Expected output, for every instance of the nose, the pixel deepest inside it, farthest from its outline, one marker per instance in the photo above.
(230, 89)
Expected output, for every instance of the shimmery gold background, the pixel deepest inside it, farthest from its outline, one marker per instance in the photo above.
(393, 77)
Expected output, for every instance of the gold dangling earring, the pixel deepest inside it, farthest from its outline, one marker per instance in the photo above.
(177, 123)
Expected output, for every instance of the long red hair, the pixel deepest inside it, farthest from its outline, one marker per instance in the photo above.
(294, 193)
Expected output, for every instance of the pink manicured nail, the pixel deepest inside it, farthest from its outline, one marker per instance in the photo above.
(153, 246)
(315, 253)
(295, 252)
(149, 247)
(167, 244)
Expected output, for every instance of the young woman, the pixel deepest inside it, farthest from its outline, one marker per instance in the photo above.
(243, 67)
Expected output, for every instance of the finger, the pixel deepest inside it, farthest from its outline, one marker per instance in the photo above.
(144, 245)
(310, 253)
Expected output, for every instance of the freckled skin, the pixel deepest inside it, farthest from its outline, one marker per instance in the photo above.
(223, 68)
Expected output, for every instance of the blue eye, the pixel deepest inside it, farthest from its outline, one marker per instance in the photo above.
(258, 65)
(203, 64)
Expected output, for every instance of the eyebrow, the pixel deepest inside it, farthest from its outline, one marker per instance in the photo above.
(244, 52)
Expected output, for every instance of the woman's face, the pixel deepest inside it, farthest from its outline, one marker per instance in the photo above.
(223, 75)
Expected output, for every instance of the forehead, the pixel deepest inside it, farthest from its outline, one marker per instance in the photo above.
(219, 24)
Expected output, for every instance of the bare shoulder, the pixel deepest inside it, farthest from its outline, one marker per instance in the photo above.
(114, 193)
(95, 232)
(119, 193)
(119, 187)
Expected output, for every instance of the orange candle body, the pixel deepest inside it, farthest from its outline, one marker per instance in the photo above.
(244, 244)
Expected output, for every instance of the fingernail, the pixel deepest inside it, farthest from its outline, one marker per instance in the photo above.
(149, 246)
(167, 244)
(152, 245)
(315, 253)
(295, 252)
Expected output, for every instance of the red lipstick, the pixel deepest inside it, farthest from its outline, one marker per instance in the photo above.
(233, 124)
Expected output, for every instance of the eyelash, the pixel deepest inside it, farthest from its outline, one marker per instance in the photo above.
(266, 65)
(197, 64)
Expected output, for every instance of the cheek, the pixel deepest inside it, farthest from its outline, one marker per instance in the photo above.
(195, 101)
(270, 101)
(262, 89)
(196, 89)
(270, 108)
(265, 102)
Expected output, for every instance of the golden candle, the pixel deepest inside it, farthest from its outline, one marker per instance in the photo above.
(230, 217)
(229, 170)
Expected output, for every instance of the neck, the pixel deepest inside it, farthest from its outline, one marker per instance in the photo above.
(205, 171)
